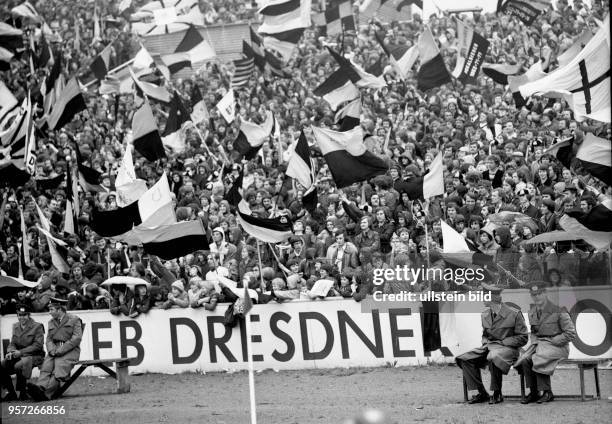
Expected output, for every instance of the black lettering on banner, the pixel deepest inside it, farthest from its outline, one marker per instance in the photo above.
(376, 348)
(274, 319)
(396, 333)
(329, 335)
(197, 350)
(255, 338)
(606, 343)
(96, 344)
(133, 342)
(218, 342)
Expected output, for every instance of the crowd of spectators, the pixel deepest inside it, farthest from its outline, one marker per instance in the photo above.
(493, 156)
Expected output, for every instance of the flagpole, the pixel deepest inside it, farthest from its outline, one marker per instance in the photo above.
(426, 231)
(247, 327)
(260, 267)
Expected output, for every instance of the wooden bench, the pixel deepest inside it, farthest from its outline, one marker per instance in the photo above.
(121, 374)
(583, 364)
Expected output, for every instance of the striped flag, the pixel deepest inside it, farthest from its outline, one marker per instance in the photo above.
(178, 116)
(595, 155)
(89, 178)
(433, 72)
(101, 63)
(199, 112)
(16, 142)
(129, 187)
(173, 240)
(243, 69)
(284, 43)
(147, 140)
(252, 136)
(471, 51)
(348, 117)
(166, 16)
(337, 89)
(57, 248)
(69, 103)
(500, 72)
(456, 250)
(9, 106)
(191, 50)
(594, 227)
(356, 74)
(562, 151)
(284, 15)
(255, 50)
(347, 157)
(534, 73)
(154, 208)
(144, 88)
(402, 58)
(300, 165)
(26, 10)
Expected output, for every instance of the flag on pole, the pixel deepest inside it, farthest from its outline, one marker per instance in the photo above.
(433, 72)
(191, 50)
(26, 10)
(101, 63)
(165, 17)
(433, 181)
(147, 140)
(129, 187)
(500, 72)
(566, 57)
(595, 155)
(89, 178)
(584, 82)
(336, 19)
(178, 116)
(154, 208)
(227, 106)
(523, 10)
(252, 136)
(300, 165)
(173, 240)
(144, 88)
(534, 73)
(594, 227)
(281, 16)
(402, 58)
(199, 112)
(337, 89)
(69, 103)
(348, 117)
(347, 157)
(243, 69)
(24, 238)
(471, 52)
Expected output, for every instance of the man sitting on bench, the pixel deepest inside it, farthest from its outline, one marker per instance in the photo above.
(551, 331)
(63, 351)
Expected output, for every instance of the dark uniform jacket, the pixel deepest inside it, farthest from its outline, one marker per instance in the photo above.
(30, 340)
(65, 336)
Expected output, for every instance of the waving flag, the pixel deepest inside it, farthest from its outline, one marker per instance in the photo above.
(252, 136)
(472, 48)
(166, 16)
(595, 155)
(147, 140)
(191, 50)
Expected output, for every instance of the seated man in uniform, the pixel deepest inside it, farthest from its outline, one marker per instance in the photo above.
(63, 351)
(504, 332)
(23, 353)
(551, 331)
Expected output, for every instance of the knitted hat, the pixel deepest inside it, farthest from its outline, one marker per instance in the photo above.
(178, 284)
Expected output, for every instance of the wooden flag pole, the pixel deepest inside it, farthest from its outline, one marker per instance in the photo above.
(260, 267)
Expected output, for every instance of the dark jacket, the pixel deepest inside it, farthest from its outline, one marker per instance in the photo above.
(30, 340)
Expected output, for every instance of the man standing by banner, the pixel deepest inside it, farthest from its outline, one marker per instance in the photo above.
(504, 332)
(551, 331)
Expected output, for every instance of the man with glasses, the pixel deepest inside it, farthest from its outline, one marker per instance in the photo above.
(23, 353)
(552, 329)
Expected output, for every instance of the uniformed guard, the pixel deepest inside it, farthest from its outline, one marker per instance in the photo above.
(504, 332)
(25, 352)
(63, 351)
(552, 330)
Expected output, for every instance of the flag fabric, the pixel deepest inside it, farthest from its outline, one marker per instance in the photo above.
(433, 72)
(356, 74)
(457, 250)
(500, 72)
(199, 111)
(9, 106)
(129, 188)
(255, 50)
(402, 58)
(69, 103)
(57, 248)
(150, 90)
(347, 157)
(243, 69)
(26, 10)
(89, 178)
(154, 208)
(11, 38)
(178, 116)
(227, 106)
(336, 19)
(584, 82)
(145, 133)
(284, 43)
(252, 136)
(101, 63)
(471, 51)
(16, 141)
(300, 165)
(280, 16)
(269, 230)
(534, 73)
(523, 10)
(594, 227)
(166, 16)
(566, 57)
(173, 240)
(595, 155)
(247, 302)
(24, 237)
(433, 181)
(49, 183)
(69, 218)
(5, 59)
(45, 56)
(348, 117)
(562, 151)
(336, 90)
(143, 62)
(191, 50)
(275, 65)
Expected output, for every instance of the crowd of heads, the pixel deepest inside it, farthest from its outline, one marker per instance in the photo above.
(493, 152)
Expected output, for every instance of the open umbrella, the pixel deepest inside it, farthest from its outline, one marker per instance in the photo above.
(509, 217)
(130, 282)
(550, 237)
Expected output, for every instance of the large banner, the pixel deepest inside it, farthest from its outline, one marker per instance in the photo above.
(317, 334)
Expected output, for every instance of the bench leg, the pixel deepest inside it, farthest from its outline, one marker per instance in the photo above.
(123, 377)
(465, 390)
(61, 389)
(596, 372)
(107, 370)
(581, 382)
(522, 386)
